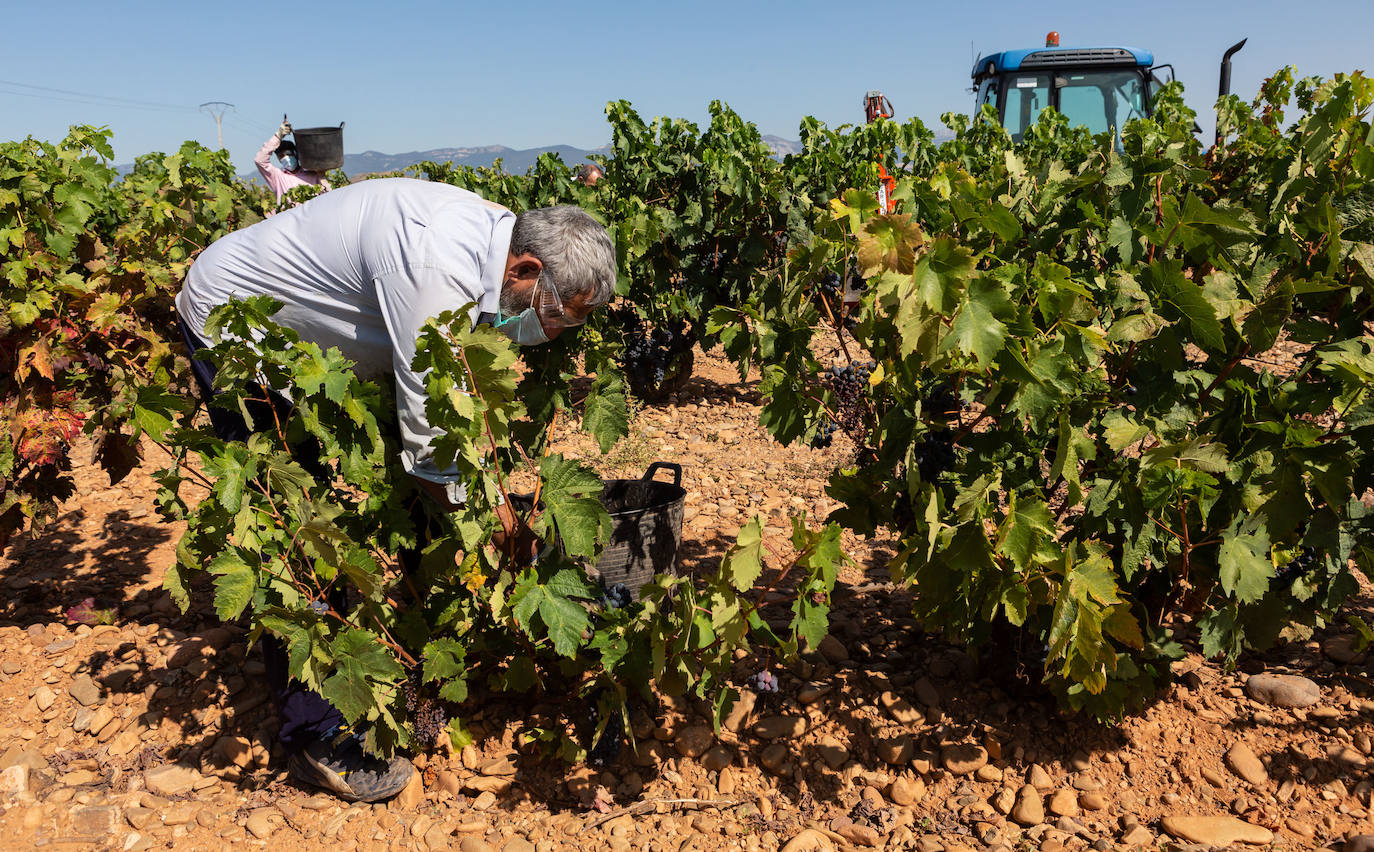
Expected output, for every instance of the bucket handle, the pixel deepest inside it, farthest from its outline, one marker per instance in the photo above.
(670, 466)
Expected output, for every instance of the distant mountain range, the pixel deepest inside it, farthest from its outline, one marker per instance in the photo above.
(513, 160)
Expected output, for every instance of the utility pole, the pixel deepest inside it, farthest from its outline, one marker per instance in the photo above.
(217, 109)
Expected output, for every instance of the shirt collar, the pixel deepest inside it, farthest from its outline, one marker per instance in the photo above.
(494, 270)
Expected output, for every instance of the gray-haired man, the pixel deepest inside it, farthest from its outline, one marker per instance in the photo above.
(362, 268)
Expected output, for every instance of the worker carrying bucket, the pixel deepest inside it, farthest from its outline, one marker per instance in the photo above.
(290, 172)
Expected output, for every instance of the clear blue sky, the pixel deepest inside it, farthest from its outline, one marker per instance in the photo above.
(410, 75)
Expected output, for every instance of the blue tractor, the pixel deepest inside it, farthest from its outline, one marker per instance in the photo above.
(1100, 88)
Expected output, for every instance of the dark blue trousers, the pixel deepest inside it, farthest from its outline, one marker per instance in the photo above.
(305, 715)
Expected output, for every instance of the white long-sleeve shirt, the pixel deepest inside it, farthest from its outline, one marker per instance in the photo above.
(362, 268)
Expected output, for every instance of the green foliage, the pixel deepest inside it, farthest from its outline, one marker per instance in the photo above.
(1120, 389)
(315, 501)
(89, 267)
(1163, 367)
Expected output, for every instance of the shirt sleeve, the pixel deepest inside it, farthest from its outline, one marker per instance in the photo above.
(269, 172)
(409, 297)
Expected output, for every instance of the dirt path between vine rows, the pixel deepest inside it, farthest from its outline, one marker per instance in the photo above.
(153, 732)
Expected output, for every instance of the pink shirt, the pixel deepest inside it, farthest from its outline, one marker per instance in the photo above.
(282, 181)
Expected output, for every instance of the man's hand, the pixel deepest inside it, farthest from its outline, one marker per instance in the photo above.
(523, 543)
(285, 129)
(515, 537)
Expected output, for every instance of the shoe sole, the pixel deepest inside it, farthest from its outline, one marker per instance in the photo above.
(301, 767)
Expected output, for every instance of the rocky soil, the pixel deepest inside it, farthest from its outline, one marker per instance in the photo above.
(154, 732)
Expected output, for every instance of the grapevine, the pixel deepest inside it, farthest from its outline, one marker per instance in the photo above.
(1106, 308)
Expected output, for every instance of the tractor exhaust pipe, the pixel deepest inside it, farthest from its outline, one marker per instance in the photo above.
(1224, 85)
(1225, 88)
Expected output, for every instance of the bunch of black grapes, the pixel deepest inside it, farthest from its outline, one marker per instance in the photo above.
(934, 453)
(649, 352)
(1296, 568)
(941, 403)
(616, 596)
(832, 293)
(711, 262)
(427, 713)
(829, 284)
(847, 385)
(607, 747)
(764, 682)
(858, 284)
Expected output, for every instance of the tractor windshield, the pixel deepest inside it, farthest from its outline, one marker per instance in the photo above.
(1096, 99)
(1101, 100)
(1026, 96)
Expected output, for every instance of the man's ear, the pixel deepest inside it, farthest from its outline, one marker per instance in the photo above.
(523, 267)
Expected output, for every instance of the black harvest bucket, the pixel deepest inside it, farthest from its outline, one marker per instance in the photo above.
(646, 528)
(319, 148)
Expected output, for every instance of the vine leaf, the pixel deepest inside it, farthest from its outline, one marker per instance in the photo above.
(571, 495)
(1028, 522)
(551, 597)
(360, 662)
(235, 582)
(743, 563)
(605, 414)
(976, 330)
(1245, 568)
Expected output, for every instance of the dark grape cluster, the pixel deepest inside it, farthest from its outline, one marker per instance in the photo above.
(712, 261)
(830, 286)
(649, 352)
(825, 433)
(847, 384)
(431, 723)
(857, 282)
(1296, 568)
(764, 681)
(617, 596)
(607, 747)
(934, 453)
(319, 607)
(832, 292)
(941, 402)
(427, 713)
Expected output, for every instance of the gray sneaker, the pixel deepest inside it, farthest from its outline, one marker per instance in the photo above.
(339, 765)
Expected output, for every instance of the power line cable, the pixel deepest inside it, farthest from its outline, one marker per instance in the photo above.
(248, 126)
(113, 99)
(108, 104)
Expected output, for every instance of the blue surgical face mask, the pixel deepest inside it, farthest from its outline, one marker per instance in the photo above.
(524, 329)
(289, 163)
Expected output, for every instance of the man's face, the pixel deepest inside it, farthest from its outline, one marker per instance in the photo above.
(521, 290)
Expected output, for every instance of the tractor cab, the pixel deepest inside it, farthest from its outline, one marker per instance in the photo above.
(1100, 88)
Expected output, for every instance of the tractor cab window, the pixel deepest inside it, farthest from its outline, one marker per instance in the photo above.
(987, 92)
(1027, 95)
(1101, 100)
